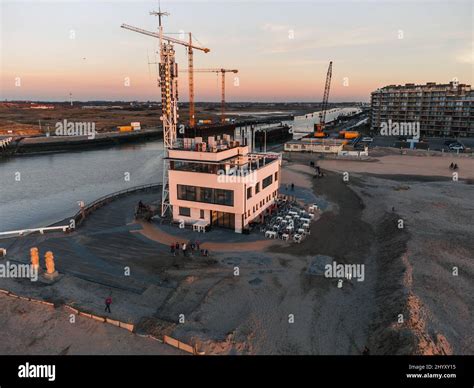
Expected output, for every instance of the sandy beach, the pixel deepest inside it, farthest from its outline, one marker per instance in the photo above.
(278, 303)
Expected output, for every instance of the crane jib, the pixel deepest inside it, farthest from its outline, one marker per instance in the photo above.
(167, 38)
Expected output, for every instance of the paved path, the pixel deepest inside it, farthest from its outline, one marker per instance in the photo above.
(157, 234)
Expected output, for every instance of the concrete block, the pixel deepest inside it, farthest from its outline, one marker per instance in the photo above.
(85, 314)
(97, 318)
(186, 347)
(112, 322)
(127, 326)
(72, 309)
(171, 341)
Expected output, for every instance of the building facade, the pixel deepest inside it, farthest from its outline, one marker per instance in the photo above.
(220, 183)
(440, 109)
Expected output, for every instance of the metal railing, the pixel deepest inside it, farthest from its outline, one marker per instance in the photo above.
(89, 208)
(81, 214)
(23, 232)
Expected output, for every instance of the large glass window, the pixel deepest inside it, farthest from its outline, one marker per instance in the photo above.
(208, 168)
(267, 181)
(223, 197)
(206, 195)
(185, 211)
(223, 220)
(190, 193)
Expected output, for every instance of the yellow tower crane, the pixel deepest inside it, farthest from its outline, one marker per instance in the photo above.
(222, 72)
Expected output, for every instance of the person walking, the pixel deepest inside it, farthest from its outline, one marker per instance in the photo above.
(176, 248)
(108, 302)
(173, 249)
(184, 249)
(292, 186)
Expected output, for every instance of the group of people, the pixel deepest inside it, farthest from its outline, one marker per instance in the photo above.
(190, 247)
(453, 166)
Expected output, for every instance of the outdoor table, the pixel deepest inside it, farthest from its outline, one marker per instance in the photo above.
(200, 226)
(270, 234)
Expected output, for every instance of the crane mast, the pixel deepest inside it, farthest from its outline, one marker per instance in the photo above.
(222, 72)
(168, 83)
(192, 119)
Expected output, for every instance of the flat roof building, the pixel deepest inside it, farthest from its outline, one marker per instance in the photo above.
(440, 109)
(220, 183)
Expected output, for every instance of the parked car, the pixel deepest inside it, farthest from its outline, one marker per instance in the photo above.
(367, 139)
(456, 147)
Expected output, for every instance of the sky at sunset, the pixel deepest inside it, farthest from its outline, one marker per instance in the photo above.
(281, 48)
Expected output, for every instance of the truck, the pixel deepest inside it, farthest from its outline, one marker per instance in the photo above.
(136, 125)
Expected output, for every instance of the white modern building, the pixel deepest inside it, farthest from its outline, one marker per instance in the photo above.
(218, 182)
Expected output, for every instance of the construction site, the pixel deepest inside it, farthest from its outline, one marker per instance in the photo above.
(225, 249)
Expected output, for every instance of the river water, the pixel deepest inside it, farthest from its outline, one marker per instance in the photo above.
(39, 190)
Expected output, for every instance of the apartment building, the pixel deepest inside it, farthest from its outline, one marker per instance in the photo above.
(440, 109)
(220, 183)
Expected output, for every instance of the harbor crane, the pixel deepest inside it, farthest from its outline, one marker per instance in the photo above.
(168, 82)
(319, 132)
(222, 72)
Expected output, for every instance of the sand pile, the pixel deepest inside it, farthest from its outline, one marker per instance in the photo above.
(400, 325)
